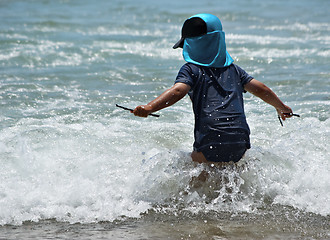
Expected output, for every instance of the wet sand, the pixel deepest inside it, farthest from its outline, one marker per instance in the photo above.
(284, 223)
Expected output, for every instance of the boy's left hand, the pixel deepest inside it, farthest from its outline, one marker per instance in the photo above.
(142, 111)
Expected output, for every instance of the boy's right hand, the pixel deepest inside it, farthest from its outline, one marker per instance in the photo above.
(284, 112)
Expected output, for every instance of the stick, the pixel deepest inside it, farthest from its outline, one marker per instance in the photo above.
(290, 114)
(129, 109)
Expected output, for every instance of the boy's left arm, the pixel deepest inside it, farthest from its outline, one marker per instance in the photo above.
(166, 99)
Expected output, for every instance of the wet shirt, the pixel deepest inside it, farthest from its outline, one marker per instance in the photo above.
(217, 97)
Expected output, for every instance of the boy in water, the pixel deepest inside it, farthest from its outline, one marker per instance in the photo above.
(215, 85)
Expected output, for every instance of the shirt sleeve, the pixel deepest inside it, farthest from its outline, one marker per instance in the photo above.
(244, 76)
(185, 75)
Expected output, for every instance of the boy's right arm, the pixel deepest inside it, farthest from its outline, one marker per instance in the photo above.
(266, 94)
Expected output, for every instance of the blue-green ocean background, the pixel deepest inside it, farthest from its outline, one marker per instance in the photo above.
(68, 154)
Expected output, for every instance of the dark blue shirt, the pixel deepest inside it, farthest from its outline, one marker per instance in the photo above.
(217, 97)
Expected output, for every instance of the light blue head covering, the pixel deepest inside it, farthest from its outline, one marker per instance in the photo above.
(209, 49)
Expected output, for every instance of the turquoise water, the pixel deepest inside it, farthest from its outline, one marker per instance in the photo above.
(68, 155)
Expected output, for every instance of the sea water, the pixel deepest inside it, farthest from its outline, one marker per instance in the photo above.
(75, 166)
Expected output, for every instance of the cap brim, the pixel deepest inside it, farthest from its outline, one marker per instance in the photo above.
(179, 44)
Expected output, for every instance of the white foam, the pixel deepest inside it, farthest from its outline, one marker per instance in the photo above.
(308, 27)
(90, 171)
(263, 39)
(156, 49)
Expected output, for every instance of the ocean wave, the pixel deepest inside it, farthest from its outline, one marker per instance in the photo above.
(88, 171)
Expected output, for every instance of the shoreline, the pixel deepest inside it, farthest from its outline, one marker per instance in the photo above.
(284, 223)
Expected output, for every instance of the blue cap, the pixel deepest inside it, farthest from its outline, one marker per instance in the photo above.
(205, 48)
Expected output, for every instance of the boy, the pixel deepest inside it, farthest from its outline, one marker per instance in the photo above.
(215, 86)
